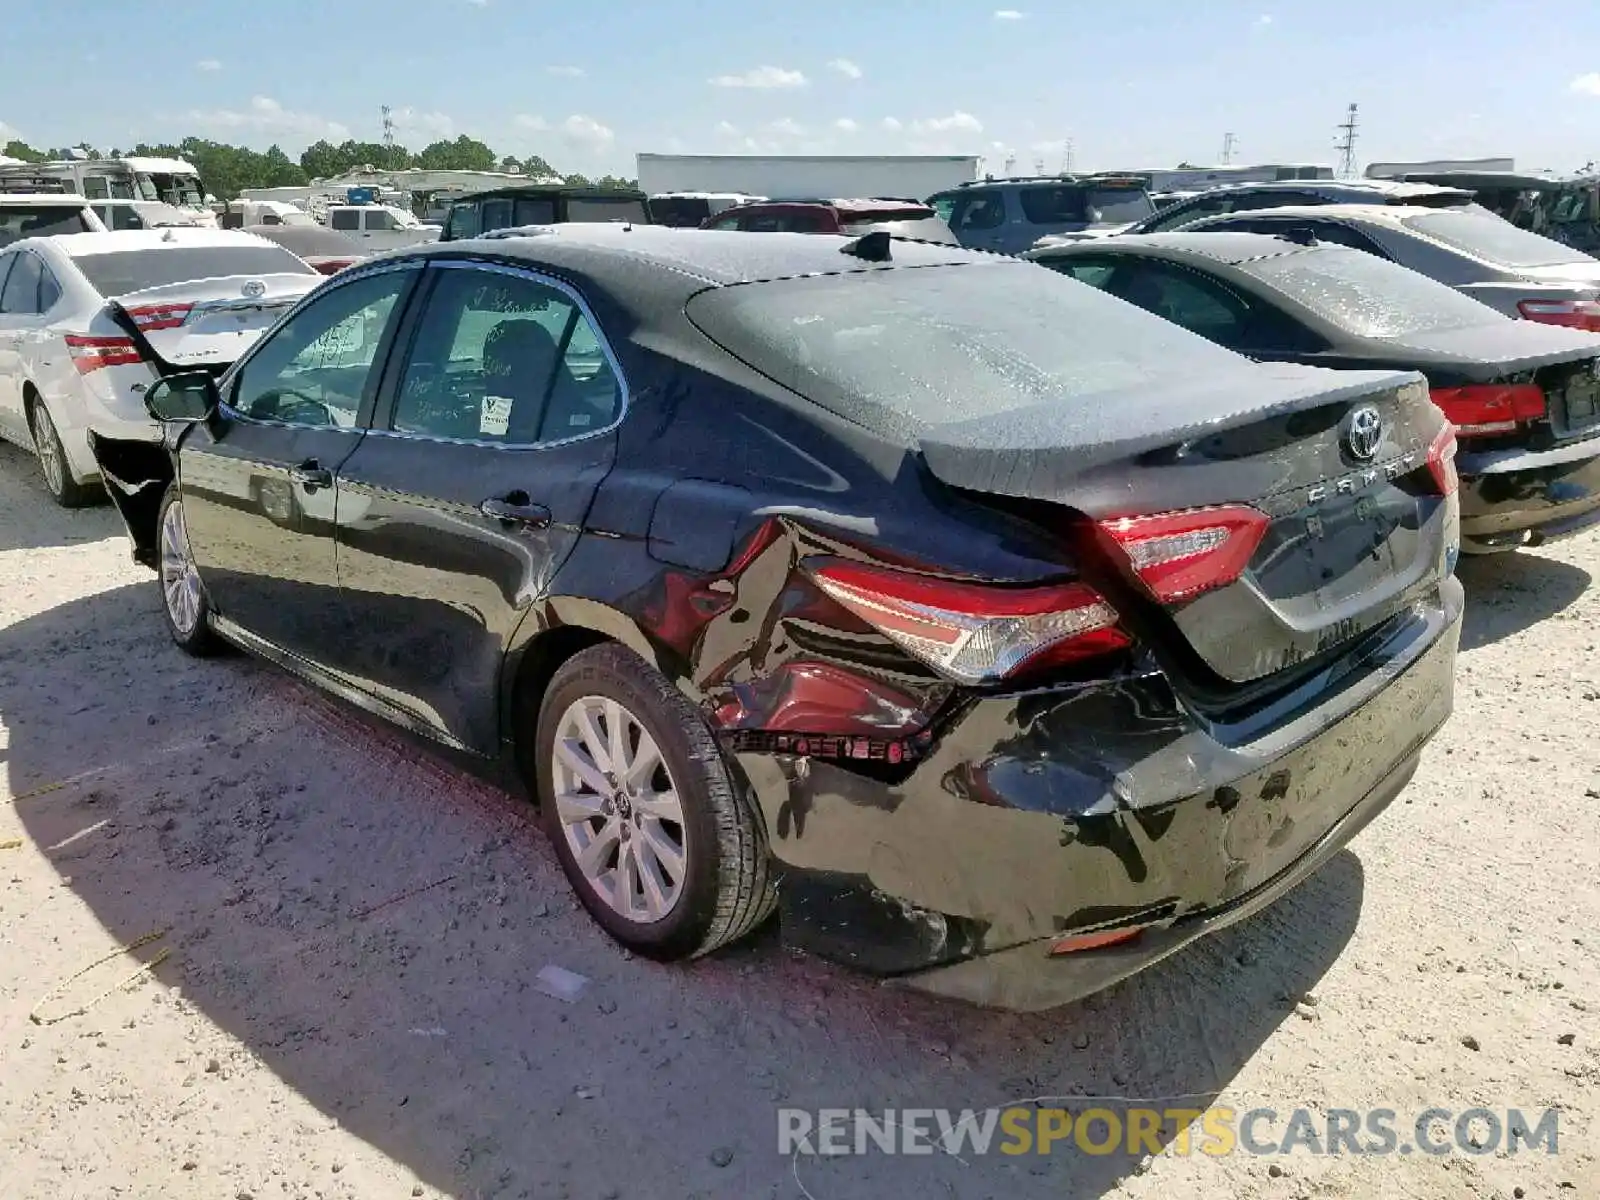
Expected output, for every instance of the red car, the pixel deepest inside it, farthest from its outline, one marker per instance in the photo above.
(909, 218)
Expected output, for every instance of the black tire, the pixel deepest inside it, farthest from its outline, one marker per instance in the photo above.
(727, 887)
(197, 638)
(63, 488)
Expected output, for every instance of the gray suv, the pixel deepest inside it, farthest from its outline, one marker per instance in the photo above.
(1010, 215)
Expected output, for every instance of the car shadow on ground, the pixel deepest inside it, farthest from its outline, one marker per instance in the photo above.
(29, 520)
(370, 922)
(1507, 593)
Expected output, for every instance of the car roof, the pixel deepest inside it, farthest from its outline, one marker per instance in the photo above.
(609, 252)
(60, 198)
(541, 190)
(1385, 214)
(75, 244)
(1227, 248)
(1378, 187)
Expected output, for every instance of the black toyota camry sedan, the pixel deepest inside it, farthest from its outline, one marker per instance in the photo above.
(1524, 397)
(1000, 635)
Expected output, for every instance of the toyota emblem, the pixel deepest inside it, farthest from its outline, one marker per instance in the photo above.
(1363, 433)
(255, 289)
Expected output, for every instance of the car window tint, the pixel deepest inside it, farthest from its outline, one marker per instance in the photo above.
(1336, 234)
(344, 218)
(1185, 299)
(6, 260)
(95, 188)
(731, 222)
(983, 210)
(1096, 272)
(49, 289)
(21, 294)
(40, 220)
(1180, 215)
(1054, 205)
(496, 215)
(1120, 206)
(504, 358)
(464, 222)
(1280, 199)
(316, 368)
(535, 212)
(944, 206)
(125, 216)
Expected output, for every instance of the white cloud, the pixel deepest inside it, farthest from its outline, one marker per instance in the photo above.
(788, 127)
(432, 125)
(892, 124)
(727, 129)
(846, 125)
(586, 132)
(846, 68)
(266, 116)
(1263, 20)
(956, 122)
(1586, 85)
(10, 133)
(530, 123)
(566, 72)
(209, 64)
(1008, 14)
(761, 77)
(479, 3)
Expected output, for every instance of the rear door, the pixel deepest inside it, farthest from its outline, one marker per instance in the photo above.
(258, 481)
(22, 323)
(11, 418)
(458, 509)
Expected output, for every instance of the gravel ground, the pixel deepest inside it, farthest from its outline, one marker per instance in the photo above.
(349, 1008)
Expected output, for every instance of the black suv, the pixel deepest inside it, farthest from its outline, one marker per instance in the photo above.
(1010, 215)
(541, 204)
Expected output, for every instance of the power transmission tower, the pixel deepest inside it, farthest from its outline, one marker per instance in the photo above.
(1068, 156)
(1347, 147)
(1228, 144)
(388, 134)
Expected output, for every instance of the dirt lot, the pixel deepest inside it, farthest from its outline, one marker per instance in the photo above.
(349, 1007)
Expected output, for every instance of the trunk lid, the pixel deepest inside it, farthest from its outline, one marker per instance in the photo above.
(209, 322)
(1351, 538)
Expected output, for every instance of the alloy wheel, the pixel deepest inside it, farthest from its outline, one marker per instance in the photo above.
(48, 447)
(619, 809)
(180, 579)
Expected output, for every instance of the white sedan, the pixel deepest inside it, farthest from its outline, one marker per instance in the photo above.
(88, 321)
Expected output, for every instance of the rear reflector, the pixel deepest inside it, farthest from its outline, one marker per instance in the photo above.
(1442, 461)
(1182, 554)
(149, 317)
(975, 633)
(1575, 314)
(92, 353)
(1484, 410)
(1093, 941)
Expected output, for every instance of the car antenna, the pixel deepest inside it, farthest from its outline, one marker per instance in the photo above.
(874, 246)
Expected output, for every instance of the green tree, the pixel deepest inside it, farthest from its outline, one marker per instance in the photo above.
(463, 154)
(21, 150)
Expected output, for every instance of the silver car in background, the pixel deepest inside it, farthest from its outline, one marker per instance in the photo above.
(1519, 273)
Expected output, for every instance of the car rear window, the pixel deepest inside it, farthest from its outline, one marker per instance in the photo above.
(1486, 236)
(1367, 295)
(1121, 206)
(598, 208)
(682, 212)
(124, 271)
(18, 221)
(1064, 205)
(901, 350)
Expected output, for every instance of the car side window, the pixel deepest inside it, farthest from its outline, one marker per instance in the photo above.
(21, 294)
(6, 261)
(125, 216)
(1185, 299)
(978, 210)
(464, 222)
(504, 358)
(49, 289)
(1344, 235)
(1280, 199)
(1096, 272)
(496, 215)
(724, 223)
(318, 367)
(347, 219)
(1181, 214)
(95, 188)
(377, 218)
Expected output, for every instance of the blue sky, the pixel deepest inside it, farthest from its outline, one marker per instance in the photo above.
(1135, 85)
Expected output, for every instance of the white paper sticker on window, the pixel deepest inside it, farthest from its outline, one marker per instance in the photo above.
(495, 416)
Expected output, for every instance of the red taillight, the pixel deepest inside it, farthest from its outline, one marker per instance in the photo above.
(976, 633)
(1484, 410)
(1575, 314)
(149, 317)
(1442, 461)
(92, 353)
(1182, 554)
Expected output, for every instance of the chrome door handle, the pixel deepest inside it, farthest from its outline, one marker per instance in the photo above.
(516, 509)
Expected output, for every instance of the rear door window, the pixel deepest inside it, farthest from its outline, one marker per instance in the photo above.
(347, 219)
(1185, 298)
(534, 212)
(1055, 205)
(505, 359)
(980, 210)
(464, 222)
(21, 294)
(1096, 272)
(496, 215)
(19, 221)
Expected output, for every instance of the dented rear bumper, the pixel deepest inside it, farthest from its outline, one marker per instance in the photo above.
(1107, 807)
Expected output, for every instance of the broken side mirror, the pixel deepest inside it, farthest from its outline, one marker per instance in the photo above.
(188, 397)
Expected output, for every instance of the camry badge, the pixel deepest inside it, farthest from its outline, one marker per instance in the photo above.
(1363, 433)
(255, 289)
